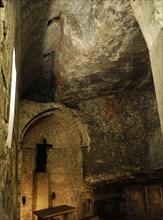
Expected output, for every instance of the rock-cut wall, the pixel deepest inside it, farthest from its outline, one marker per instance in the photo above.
(149, 15)
(8, 198)
(125, 136)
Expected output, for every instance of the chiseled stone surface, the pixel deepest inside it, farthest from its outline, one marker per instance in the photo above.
(101, 50)
(90, 47)
(33, 111)
(158, 10)
(89, 54)
(40, 191)
(125, 137)
(8, 188)
(64, 130)
(149, 15)
(29, 111)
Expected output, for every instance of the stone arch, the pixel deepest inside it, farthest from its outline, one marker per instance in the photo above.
(64, 130)
(36, 118)
(37, 111)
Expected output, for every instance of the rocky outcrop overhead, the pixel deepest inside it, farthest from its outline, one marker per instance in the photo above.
(80, 50)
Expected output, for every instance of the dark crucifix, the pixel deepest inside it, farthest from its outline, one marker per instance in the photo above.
(41, 156)
(1, 4)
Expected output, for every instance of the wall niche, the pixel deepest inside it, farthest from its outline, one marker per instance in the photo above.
(63, 176)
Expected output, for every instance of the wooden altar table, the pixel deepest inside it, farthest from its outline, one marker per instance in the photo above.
(51, 212)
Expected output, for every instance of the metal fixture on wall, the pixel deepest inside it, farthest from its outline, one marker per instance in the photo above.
(53, 195)
(24, 200)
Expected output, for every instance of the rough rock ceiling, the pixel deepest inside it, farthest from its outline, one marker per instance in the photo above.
(80, 49)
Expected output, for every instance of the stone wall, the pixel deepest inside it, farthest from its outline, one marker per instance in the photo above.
(8, 199)
(64, 130)
(149, 15)
(105, 139)
(125, 135)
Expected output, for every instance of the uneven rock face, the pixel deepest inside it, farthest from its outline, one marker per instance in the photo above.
(158, 13)
(117, 138)
(8, 199)
(91, 48)
(149, 15)
(98, 51)
(124, 135)
(91, 54)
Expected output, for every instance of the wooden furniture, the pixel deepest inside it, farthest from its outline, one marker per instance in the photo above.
(111, 208)
(51, 212)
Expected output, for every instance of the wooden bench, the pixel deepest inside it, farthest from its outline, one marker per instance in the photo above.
(51, 212)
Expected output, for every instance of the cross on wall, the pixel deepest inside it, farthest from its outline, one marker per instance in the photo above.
(41, 156)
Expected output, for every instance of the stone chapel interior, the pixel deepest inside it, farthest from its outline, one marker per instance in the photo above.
(81, 109)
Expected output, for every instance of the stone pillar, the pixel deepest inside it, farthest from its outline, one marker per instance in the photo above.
(40, 191)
